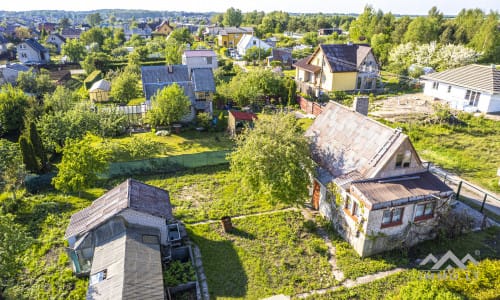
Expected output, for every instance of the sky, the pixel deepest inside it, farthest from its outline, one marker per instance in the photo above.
(414, 7)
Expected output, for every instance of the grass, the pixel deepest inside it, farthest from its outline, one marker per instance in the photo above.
(470, 150)
(262, 256)
(136, 101)
(289, 73)
(148, 145)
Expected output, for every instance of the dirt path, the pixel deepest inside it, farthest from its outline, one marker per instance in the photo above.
(246, 216)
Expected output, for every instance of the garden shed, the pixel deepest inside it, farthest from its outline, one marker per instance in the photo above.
(237, 120)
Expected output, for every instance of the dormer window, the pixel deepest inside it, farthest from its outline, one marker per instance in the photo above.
(403, 160)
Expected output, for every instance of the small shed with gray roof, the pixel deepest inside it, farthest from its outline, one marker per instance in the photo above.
(470, 88)
(99, 91)
(385, 190)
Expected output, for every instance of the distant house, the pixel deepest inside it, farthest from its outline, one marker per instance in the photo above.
(30, 52)
(199, 59)
(370, 181)
(163, 29)
(57, 40)
(10, 72)
(238, 120)
(230, 36)
(198, 85)
(60, 77)
(142, 29)
(470, 88)
(71, 33)
(248, 41)
(338, 67)
(99, 92)
(47, 26)
(329, 31)
(271, 41)
(120, 240)
(281, 55)
(3, 44)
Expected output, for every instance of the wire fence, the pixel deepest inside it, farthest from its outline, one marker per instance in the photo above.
(166, 164)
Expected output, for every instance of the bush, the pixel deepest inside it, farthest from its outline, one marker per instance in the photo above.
(178, 273)
(35, 184)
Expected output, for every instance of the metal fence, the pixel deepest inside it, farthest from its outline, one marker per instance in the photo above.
(167, 164)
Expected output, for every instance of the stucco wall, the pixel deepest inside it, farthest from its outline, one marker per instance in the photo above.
(344, 81)
(390, 169)
(199, 62)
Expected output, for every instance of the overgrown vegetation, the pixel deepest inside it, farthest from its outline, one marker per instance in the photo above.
(178, 272)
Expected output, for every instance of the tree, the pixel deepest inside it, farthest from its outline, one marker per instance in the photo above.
(13, 242)
(173, 52)
(124, 87)
(82, 161)
(12, 170)
(93, 35)
(170, 105)
(22, 33)
(273, 159)
(64, 23)
(62, 99)
(74, 50)
(232, 17)
(94, 19)
(13, 106)
(182, 35)
(34, 156)
(35, 83)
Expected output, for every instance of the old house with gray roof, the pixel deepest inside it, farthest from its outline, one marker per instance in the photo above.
(120, 240)
(57, 40)
(470, 88)
(338, 67)
(30, 52)
(198, 84)
(370, 181)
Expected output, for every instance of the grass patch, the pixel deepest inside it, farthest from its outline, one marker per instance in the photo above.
(289, 73)
(208, 194)
(137, 101)
(470, 149)
(263, 256)
(305, 123)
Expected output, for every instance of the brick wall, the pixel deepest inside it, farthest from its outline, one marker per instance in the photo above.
(308, 106)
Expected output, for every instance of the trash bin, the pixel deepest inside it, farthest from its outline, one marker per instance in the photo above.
(226, 223)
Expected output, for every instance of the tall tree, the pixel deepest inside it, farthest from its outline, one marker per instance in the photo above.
(170, 105)
(74, 50)
(173, 52)
(273, 159)
(232, 17)
(13, 106)
(12, 171)
(94, 19)
(34, 155)
(124, 87)
(82, 161)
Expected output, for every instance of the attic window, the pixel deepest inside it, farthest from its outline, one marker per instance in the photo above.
(403, 159)
(98, 277)
(209, 60)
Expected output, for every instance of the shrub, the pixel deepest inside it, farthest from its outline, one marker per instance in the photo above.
(178, 273)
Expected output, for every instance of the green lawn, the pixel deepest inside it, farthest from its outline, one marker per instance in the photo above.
(470, 150)
(263, 256)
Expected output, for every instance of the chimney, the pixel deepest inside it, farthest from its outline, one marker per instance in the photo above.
(360, 105)
(170, 70)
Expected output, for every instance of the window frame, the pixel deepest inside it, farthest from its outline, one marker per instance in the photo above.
(425, 216)
(391, 222)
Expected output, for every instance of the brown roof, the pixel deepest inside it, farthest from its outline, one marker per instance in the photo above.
(303, 64)
(241, 115)
(129, 194)
(476, 77)
(344, 141)
(395, 191)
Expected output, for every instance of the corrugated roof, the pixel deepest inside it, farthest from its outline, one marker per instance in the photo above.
(344, 141)
(243, 30)
(203, 80)
(199, 53)
(395, 191)
(244, 116)
(133, 267)
(129, 194)
(161, 74)
(475, 77)
(18, 67)
(101, 85)
(152, 89)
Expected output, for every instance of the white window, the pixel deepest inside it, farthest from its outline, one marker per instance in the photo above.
(424, 211)
(435, 85)
(449, 89)
(392, 217)
(403, 160)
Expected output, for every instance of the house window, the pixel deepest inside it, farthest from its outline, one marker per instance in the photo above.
(403, 160)
(209, 60)
(467, 94)
(254, 42)
(449, 89)
(435, 85)
(98, 277)
(474, 98)
(392, 217)
(424, 211)
(24, 55)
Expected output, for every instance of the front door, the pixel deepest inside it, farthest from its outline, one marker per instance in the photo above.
(316, 195)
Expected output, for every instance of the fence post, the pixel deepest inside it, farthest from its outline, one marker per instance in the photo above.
(484, 200)
(458, 189)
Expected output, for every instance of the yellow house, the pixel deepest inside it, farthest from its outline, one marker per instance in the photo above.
(337, 67)
(163, 29)
(99, 92)
(230, 36)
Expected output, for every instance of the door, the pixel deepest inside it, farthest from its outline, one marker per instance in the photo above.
(316, 195)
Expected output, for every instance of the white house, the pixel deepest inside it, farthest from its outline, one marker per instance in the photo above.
(199, 59)
(9, 73)
(248, 41)
(57, 40)
(470, 88)
(30, 52)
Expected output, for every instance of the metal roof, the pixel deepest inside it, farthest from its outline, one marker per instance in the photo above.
(203, 80)
(241, 115)
(345, 57)
(101, 85)
(35, 45)
(133, 267)
(161, 74)
(395, 191)
(129, 194)
(343, 141)
(476, 77)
